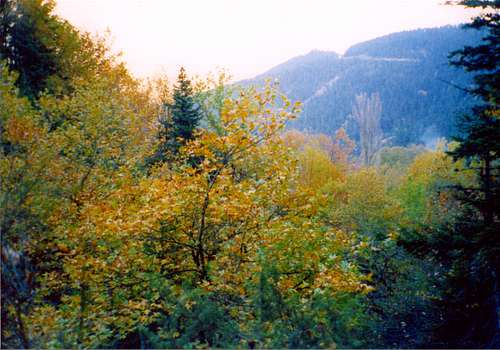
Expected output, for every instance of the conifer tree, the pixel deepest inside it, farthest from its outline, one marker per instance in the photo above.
(22, 43)
(46, 51)
(480, 130)
(184, 111)
(473, 297)
(178, 122)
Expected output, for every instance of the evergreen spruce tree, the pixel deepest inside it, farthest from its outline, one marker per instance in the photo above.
(178, 122)
(480, 130)
(184, 111)
(472, 302)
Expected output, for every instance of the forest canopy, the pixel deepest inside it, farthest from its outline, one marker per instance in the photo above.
(188, 214)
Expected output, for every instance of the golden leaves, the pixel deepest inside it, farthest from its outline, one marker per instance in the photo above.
(214, 223)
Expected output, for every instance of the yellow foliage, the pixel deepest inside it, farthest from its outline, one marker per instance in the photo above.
(361, 203)
(245, 203)
(316, 168)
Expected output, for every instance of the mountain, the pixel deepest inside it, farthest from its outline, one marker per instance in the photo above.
(418, 88)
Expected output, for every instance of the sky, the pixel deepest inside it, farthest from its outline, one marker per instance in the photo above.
(244, 37)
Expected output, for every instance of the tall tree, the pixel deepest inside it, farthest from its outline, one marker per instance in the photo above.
(480, 139)
(178, 122)
(367, 112)
(479, 145)
(46, 50)
(184, 111)
(29, 32)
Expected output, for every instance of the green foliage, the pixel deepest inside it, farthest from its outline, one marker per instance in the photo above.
(184, 112)
(269, 318)
(399, 157)
(414, 198)
(362, 204)
(482, 59)
(21, 217)
(473, 260)
(47, 52)
(402, 305)
(479, 137)
(291, 320)
(196, 318)
(23, 44)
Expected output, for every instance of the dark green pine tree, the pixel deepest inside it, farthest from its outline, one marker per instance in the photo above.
(185, 112)
(23, 44)
(480, 129)
(472, 297)
(178, 122)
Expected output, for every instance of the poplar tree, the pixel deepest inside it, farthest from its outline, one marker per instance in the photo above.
(367, 112)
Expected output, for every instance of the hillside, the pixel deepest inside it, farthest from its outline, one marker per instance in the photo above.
(409, 70)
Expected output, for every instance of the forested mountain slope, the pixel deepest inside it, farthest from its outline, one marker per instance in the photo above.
(409, 70)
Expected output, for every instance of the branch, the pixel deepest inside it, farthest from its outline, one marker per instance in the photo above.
(456, 86)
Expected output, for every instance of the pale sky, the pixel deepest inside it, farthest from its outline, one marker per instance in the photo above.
(245, 37)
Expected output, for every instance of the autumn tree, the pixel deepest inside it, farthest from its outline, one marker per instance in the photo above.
(342, 147)
(21, 220)
(210, 227)
(55, 154)
(367, 111)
